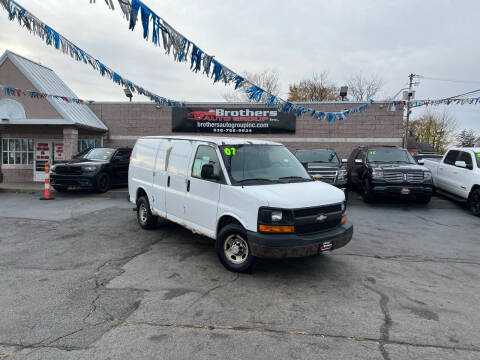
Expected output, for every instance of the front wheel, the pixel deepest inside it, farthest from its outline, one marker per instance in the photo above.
(145, 217)
(233, 249)
(474, 202)
(103, 183)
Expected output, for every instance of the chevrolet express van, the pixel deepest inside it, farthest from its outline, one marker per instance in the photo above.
(253, 197)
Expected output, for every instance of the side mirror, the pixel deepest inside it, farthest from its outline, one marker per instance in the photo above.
(358, 161)
(461, 164)
(207, 172)
(344, 161)
(421, 161)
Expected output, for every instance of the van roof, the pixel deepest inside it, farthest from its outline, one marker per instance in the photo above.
(217, 140)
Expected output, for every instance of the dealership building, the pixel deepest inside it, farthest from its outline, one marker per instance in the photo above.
(35, 131)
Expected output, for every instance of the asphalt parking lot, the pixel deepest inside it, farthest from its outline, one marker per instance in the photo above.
(80, 280)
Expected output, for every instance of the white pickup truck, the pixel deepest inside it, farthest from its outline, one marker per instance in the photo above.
(457, 176)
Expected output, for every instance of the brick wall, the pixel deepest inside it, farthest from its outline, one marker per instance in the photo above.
(126, 121)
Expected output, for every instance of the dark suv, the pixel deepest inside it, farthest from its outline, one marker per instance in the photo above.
(324, 165)
(388, 170)
(98, 169)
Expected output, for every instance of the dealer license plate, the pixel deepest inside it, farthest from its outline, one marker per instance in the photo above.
(326, 246)
(405, 191)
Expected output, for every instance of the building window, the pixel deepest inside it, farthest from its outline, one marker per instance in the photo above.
(84, 144)
(17, 151)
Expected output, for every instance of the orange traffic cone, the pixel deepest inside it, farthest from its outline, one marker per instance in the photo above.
(46, 192)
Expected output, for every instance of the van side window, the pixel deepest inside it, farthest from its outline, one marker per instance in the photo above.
(464, 156)
(451, 157)
(205, 155)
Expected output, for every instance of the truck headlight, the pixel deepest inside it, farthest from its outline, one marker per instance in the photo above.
(377, 174)
(342, 175)
(89, 168)
(427, 175)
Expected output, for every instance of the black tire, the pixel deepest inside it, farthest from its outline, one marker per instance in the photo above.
(424, 199)
(474, 202)
(239, 261)
(367, 194)
(60, 188)
(145, 217)
(102, 183)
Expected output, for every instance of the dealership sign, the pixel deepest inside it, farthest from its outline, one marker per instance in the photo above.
(232, 120)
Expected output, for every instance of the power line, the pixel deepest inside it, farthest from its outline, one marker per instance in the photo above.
(449, 80)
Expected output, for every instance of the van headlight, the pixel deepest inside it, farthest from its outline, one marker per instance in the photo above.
(275, 220)
(377, 174)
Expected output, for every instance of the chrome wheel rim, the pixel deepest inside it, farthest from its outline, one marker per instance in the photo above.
(236, 249)
(142, 213)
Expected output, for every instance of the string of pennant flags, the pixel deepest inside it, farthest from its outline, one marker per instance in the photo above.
(52, 38)
(450, 101)
(11, 91)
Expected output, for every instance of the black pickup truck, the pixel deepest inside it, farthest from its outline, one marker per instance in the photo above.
(97, 169)
(388, 170)
(324, 165)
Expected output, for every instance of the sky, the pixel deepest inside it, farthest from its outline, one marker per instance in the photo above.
(389, 38)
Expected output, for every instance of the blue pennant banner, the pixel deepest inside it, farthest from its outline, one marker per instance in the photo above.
(55, 39)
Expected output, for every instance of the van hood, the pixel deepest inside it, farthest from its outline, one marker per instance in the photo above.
(296, 195)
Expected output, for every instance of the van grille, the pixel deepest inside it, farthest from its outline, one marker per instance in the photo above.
(306, 219)
(317, 210)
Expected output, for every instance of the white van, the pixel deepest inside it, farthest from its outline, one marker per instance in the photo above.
(253, 197)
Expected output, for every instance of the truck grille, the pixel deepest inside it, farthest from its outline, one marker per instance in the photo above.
(396, 177)
(326, 175)
(306, 219)
(416, 177)
(68, 170)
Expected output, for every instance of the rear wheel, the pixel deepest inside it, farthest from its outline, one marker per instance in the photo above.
(103, 183)
(474, 202)
(60, 188)
(233, 249)
(145, 217)
(367, 194)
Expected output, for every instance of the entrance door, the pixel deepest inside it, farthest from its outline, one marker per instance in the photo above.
(43, 154)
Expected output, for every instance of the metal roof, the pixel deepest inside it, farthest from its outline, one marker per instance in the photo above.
(45, 80)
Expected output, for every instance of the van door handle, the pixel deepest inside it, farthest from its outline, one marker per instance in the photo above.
(168, 181)
(188, 185)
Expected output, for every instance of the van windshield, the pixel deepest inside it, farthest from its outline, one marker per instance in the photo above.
(262, 164)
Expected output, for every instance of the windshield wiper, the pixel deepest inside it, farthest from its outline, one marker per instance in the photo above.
(401, 161)
(255, 179)
(295, 178)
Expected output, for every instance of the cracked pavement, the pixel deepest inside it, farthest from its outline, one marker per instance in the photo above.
(81, 280)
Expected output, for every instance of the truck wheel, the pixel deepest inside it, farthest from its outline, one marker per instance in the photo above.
(103, 183)
(367, 194)
(474, 202)
(233, 249)
(424, 199)
(60, 188)
(145, 217)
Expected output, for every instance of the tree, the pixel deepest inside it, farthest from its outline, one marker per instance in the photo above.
(267, 79)
(466, 138)
(364, 88)
(437, 129)
(318, 88)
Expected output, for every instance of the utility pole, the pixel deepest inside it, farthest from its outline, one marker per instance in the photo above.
(410, 93)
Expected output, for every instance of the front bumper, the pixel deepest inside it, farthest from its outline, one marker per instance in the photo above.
(277, 246)
(81, 181)
(413, 190)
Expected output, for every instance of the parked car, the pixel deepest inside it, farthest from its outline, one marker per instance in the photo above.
(420, 158)
(388, 170)
(324, 165)
(253, 197)
(457, 176)
(98, 169)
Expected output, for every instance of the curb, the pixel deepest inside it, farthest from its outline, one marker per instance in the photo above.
(113, 194)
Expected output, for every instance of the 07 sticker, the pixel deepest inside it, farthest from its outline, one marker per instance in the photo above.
(230, 151)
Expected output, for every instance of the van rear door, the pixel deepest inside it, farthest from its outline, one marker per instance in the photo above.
(202, 194)
(177, 172)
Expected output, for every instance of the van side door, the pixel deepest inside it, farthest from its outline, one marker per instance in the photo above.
(160, 177)
(177, 172)
(203, 194)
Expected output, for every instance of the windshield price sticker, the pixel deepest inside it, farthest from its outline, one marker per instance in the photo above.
(373, 152)
(478, 155)
(230, 151)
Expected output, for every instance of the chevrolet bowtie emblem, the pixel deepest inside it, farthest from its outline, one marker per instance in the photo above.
(321, 218)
